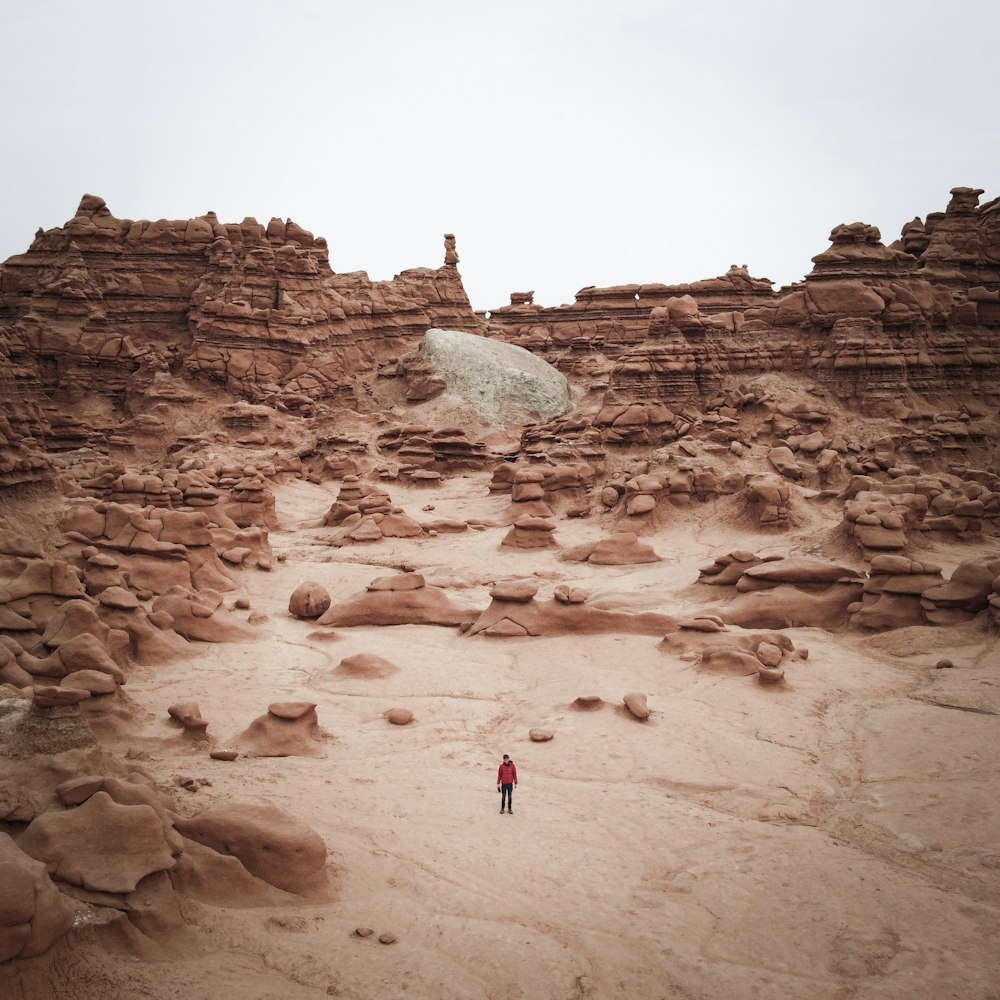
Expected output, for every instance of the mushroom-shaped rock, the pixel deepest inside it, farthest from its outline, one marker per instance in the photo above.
(769, 654)
(519, 591)
(636, 704)
(34, 914)
(288, 729)
(269, 843)
(399, 716)
(74, 844)
(424, 605)
(188, 715)
(308, 600)
(530, 532)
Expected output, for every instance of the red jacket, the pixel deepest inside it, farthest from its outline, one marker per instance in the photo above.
(507, 775)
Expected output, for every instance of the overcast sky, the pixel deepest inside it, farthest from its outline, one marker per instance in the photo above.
(565, 142)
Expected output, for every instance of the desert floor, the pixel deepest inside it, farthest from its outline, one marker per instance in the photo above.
(836, 837)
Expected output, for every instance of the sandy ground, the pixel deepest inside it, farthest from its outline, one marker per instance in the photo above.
(837, 838)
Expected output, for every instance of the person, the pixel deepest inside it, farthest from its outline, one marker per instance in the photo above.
(506, 783)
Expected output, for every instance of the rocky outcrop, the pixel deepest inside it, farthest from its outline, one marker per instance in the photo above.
(784, 592)
(900, 592)
(267, 842)
(603, 318)
(870, 322)
(514, 613)
(402, 599)
(884, 515)
(108, 305)
(286, 729)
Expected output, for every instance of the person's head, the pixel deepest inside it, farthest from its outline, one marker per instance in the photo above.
(506, 759)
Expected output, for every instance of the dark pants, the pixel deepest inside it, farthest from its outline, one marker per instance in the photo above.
(506, 792)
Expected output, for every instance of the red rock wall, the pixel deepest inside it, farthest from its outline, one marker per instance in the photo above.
(869, 322)
(255, 308)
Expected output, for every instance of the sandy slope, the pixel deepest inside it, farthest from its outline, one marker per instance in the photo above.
(837, 838)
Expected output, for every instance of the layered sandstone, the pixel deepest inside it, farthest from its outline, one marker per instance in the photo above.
(111, 305)
(870, 322)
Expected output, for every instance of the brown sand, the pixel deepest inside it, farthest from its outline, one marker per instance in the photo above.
(835, 837)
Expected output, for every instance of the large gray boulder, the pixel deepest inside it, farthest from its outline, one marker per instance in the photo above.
(500, 380)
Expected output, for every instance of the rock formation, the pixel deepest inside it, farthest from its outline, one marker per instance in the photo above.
(210, 437)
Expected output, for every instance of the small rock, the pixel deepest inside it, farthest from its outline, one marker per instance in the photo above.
(943, 664)
(363, 932)
(769, 654)
(636, 704)
(540, 735)
(770, 675)
(242, 603)
(309, 600)
(387, 937)
(224, 754)
(399, 716)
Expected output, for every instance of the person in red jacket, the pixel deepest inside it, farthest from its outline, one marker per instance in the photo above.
(506, 782)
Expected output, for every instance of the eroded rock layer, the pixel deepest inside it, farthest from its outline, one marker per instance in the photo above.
(113, 305)
(870, 322)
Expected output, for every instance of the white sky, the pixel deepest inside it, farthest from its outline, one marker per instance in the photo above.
(565, 142)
